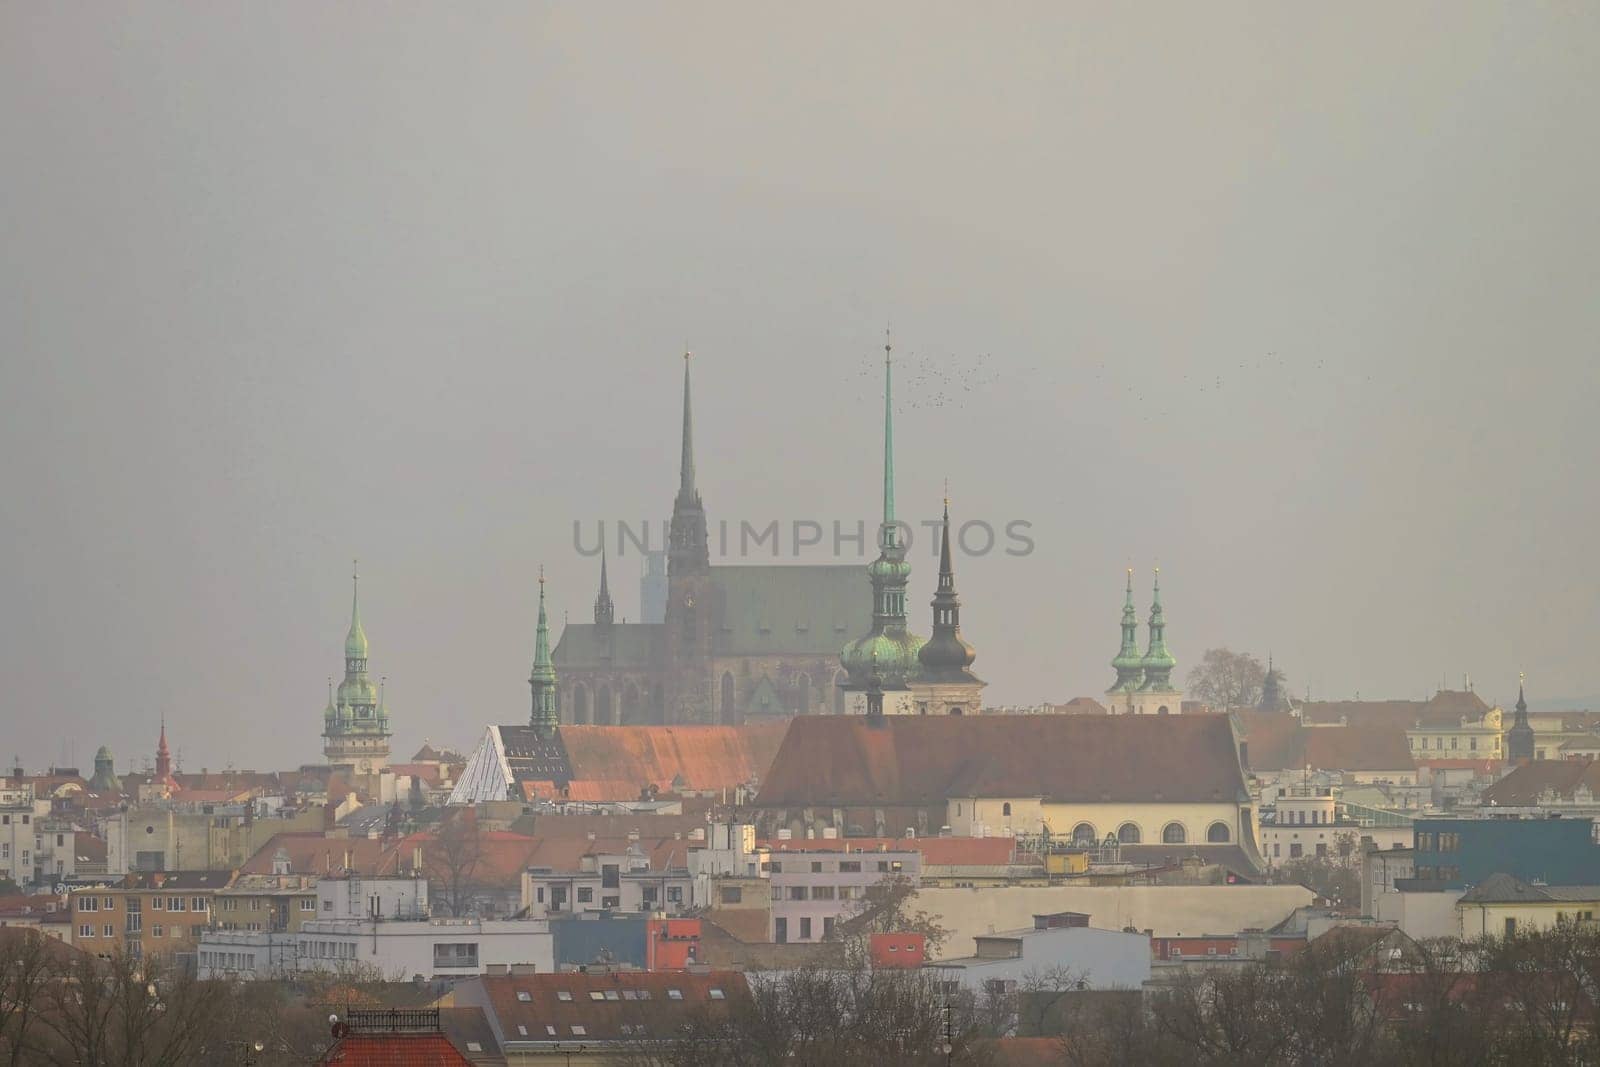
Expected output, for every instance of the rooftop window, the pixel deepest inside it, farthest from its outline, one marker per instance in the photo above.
(674, 994)
(716, 994)
(595, 994)
(563, 995)
(524, 996)
(550, 1030)
(578, 1031)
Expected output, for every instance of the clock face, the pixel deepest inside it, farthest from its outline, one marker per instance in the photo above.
(366, 766)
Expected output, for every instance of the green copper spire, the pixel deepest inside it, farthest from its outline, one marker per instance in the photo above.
(1128, 663)
(542, 681)
(888, 643)
(355, 642)
(688, 547)
(889, 535)
(1158, 662)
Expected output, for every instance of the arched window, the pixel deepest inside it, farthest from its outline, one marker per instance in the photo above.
(580, 705)
(602, 707)
(1162, 710)
(838, 693)
(805, 694)
(956, 710)
(1128, 833)
(1083, 834)
(630, 706)
(1217, 833)
(1005, 809)
(658, 705)
(730, 714)
(1174, 834)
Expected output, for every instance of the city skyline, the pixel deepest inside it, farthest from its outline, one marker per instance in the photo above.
(1315, 340)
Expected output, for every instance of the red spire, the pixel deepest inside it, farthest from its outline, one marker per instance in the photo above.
(163, 754)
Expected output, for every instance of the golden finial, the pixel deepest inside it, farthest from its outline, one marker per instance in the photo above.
(947, 492)
(541, 574)
(686, 352)
(888, 346)
(1521, 677)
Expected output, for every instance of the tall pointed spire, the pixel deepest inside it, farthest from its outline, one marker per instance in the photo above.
(355, 642)
(1520, 738)
(947, 656)
(1128, 663)
(888, 642)
(686, 490)
(888, 534)
(1158, 662)
(163, 754)
(688, 547)
(605, 612)
(545, 717)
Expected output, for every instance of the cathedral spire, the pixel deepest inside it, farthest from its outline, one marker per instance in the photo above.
(688, 547)
(605, 612)
(1128, 663)
(542, 680)
(686, 489)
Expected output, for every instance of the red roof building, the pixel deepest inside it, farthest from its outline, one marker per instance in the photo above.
(398, 1037)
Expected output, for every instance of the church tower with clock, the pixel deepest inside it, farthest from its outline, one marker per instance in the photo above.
(355, 724)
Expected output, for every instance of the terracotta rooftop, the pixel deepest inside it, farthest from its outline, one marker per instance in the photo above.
(1445, 708)
(572, 1007)
(1277, 742)
(922, 760)
(1524, 786)
(312, 852)
(394, 1050)
(697, 758)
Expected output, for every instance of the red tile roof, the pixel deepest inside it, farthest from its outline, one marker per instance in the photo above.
(394, 1050)
(1277, 741)
(312, 852)
(840, 761)
(698, 758)
(655, 1000)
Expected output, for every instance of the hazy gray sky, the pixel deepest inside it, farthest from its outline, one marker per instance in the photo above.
(1299, 301)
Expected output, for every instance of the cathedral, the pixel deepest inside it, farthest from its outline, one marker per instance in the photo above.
(748, 643)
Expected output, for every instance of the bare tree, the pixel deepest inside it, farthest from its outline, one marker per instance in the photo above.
(451, 861)
(28, 963)
(1226, 679)
(120, 1011)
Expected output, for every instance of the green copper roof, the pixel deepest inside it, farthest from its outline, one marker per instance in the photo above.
(1158, 662)
(355, 642)
(543, 679)
(1129, 664)
(893, 654)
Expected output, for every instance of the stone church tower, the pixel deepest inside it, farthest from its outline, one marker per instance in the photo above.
(689, 589)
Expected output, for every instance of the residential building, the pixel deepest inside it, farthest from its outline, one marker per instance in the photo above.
(174, 835)
(1057, 943)
(368, 1037)
(625, 881)
(1457, 853)
(597, 1016)
(1311, 822)
(150, 913)
(897, 951)
(379, 925)
(1503, 905)
(1566, 787)
(273, 902)
(812, 892)
(17, 832)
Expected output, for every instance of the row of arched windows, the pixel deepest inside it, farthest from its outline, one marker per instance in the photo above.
(1174, 833)
(631, 706)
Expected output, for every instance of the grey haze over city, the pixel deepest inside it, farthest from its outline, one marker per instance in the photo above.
(1299, 303)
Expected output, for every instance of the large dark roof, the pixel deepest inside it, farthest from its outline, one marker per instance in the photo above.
(798, 610)
(623, 644)
(1278, 741)
(837, 761)
(1505, 888)
(1447, 707)
(1524, 786)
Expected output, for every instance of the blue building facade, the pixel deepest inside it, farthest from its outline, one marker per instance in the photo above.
(1458, 853)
